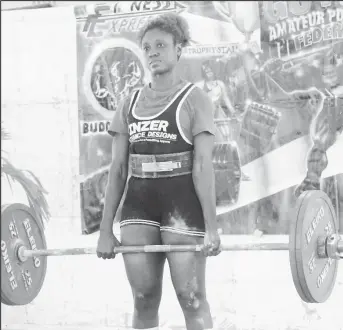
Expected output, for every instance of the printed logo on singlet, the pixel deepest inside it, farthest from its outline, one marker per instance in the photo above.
(151, 130)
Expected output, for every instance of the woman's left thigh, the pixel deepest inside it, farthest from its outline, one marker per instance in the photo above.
(187, 269)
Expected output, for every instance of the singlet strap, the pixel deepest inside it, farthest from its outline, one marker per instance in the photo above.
(134, 99)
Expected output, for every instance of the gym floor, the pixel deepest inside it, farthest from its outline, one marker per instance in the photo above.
(246, 290)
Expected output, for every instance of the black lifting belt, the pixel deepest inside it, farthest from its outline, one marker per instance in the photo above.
(162, 165)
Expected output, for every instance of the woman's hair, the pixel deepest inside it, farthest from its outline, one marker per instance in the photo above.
(169, 23)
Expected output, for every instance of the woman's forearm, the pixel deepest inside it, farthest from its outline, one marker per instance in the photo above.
(203, 178)
(114, 192)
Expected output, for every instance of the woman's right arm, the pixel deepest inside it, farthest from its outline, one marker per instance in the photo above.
(116, 180)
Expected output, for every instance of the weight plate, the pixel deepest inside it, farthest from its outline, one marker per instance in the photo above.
(314, 217)
(20, 281)
(227, 171)
(3, 299)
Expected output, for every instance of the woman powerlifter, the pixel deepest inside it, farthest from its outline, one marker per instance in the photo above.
(165, 133)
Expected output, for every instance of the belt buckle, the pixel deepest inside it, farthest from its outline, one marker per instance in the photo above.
(168, 166)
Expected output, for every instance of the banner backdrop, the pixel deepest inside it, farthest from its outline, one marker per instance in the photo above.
(255, 107)
(300, 75)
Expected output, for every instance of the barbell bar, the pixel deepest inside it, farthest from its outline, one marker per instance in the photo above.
(314, 250)
(24, 253)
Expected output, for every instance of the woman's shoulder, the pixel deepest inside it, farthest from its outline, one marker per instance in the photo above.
(135, 92)
(125, 102)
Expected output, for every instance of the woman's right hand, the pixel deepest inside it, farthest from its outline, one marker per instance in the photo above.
(106, 244)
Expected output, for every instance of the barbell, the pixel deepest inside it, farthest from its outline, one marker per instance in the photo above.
(315, 248)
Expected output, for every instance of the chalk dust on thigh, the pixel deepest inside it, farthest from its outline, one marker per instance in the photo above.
(182, 222)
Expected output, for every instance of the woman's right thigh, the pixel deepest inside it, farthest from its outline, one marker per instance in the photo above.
(144, 270)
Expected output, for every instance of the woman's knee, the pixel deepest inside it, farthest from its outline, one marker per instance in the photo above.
(191, 301)
(147, 302)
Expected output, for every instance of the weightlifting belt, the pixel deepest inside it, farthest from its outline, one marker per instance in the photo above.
(162, 165)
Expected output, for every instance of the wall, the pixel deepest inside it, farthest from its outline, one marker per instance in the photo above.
(39, 103)
(39, 109)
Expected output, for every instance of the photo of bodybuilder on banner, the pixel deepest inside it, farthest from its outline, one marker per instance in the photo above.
(113, 77)
(299, 73)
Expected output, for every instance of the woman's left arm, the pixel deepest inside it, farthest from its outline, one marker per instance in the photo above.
(204, 183)
(200, 127)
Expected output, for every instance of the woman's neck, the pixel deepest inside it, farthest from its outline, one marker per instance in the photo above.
(164, 81)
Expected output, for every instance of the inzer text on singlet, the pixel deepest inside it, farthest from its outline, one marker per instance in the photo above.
(150, 129)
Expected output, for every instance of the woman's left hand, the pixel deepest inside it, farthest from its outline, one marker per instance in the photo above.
(212, 243)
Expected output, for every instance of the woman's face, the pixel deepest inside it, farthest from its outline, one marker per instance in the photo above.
(160, 51)
(208, 72)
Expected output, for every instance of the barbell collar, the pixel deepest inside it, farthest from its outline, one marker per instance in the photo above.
(332, 246)
(21, 253)
(321, 247)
